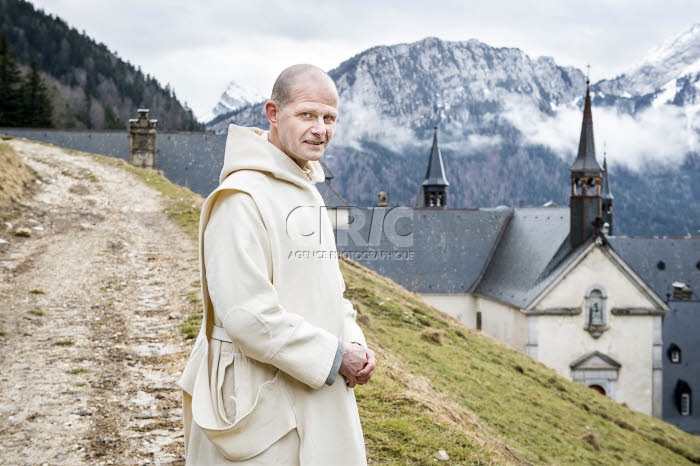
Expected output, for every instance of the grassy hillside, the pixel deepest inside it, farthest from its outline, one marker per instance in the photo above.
(441, 386)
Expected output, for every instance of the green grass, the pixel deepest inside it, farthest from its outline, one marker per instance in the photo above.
(77, 370)
(36, 312)
(37, 291)
(193, 321)
(441, 386)
(63, 342)
(541, 417)
(191, 325)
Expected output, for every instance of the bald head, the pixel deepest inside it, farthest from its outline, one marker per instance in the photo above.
(302, 112)
(295, 76)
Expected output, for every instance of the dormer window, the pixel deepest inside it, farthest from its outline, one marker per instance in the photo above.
(595, 311)
(684, 398)
(674, 354)
(681, 291)
(685, 404)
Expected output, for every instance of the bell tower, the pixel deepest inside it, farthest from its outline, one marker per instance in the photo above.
(433, 192)
(586, 183)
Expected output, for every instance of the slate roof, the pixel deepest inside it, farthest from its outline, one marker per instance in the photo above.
(681, 327)
(680, 257)
(449, 252)
(661, 261)
(330, 196)
(534, 246)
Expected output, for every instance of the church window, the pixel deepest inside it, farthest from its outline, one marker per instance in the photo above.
(595, 312)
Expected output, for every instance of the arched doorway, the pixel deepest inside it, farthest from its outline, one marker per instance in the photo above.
(597, 371)
(598, 388)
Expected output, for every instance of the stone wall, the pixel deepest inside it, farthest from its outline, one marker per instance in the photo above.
(188, 159)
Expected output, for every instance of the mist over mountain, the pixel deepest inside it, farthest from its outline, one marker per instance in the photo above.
(509, 127)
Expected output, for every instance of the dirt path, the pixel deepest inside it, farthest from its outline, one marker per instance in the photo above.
(90, 309)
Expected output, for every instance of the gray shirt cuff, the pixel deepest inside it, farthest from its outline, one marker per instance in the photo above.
(336, 364)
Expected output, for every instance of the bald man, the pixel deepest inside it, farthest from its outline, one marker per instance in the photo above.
(262, 384)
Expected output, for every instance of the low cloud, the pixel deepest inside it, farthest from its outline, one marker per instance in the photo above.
(663, 134)
(358, 122)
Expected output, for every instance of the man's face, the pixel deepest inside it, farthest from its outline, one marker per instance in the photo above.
(306, 123)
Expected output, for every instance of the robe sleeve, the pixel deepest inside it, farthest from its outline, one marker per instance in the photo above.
(238, 266)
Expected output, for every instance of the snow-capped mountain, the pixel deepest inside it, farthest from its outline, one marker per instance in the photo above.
(657, 103)
(234, 98)
(509, 125)
(676, 58)
(460, 86)
(466, 88)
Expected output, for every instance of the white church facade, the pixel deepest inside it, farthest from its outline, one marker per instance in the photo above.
(548, 281)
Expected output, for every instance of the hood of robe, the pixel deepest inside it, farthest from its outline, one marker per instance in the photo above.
(249, 149)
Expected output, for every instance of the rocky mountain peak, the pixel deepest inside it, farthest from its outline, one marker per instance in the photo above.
(411, 87)
(234, 98)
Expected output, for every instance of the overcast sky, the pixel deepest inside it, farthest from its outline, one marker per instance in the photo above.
(199, 47)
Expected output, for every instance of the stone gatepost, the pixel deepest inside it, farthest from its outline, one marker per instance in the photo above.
(142, 141)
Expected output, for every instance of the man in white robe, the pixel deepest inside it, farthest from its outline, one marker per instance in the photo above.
(261, 385)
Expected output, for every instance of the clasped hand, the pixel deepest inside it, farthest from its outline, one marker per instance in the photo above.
(357, 365)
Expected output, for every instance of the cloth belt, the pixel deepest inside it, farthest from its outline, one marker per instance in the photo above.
(218, 333)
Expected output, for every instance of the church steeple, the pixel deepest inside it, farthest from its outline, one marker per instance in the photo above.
(434, 187)
(586, 180)
(607, 201)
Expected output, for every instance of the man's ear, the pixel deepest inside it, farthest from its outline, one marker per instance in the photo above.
(272, 112)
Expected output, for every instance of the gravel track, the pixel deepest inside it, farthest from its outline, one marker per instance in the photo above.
(90, 308)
